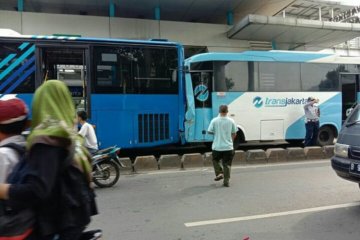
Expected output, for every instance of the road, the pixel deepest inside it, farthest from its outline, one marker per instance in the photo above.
(303, 200)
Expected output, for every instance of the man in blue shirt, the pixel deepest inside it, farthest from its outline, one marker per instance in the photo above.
(224, 130)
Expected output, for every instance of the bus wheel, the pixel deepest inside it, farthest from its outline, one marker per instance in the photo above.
(208, 145)
(326, 136)
(238, 139)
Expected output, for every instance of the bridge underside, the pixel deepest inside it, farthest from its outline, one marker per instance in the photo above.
(292, 33)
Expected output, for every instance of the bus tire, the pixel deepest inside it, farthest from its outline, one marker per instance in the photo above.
(326, 136)
(240, 138)
(208, 145)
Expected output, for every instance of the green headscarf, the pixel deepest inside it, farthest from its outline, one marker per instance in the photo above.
(53, 116)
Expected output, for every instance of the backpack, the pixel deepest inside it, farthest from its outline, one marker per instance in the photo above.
(78, 198)
(16, 176)
(16, 224)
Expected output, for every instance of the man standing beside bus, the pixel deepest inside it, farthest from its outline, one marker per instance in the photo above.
(224, 130)
(88, 132)
(312, 115)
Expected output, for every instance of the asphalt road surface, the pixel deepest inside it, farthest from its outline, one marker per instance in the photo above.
(303, 200)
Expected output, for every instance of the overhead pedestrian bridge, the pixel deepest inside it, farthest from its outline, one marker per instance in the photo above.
(293, 32)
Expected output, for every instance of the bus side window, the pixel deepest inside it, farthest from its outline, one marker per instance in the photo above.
(108, 70)
(220, 78)
(152, 70)
(274, 76)
(320, 76)
(231, 76)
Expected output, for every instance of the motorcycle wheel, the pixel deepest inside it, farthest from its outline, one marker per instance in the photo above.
(106, 174)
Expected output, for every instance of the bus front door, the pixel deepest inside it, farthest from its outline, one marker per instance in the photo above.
(350, 92)
(202, 88)
(67, 64)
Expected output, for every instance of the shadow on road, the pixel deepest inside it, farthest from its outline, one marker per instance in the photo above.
(198, 190)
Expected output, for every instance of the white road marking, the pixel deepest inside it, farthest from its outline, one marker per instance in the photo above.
(270, 215)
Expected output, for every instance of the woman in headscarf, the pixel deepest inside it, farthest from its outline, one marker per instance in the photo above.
(58, 185)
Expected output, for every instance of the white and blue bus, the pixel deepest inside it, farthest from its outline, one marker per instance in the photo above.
(132, 90)
(266, 92)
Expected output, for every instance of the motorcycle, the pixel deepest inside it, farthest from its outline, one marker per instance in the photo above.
(106, 167)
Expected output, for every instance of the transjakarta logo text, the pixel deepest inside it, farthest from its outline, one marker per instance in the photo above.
(277, 102)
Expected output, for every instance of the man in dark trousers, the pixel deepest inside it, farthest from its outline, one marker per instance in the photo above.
(312, 115)
(224, 130)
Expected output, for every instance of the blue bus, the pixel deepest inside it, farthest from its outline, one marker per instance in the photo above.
(266, 91)
(132, 90)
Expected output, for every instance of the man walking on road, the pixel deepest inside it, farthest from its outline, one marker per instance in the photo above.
(224, 130)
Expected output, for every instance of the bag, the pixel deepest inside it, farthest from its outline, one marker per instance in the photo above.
(16, 224)
(78, 198)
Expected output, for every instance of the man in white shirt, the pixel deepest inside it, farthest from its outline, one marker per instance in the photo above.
(88, 132)
(13, 120)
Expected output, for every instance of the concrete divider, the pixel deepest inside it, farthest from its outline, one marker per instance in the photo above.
(239, 158)
(314, 152)
(192, 160)
(145, 163)
(328, 151)
(128, 165)
(208, 159)
(256, 156)
(295, 154)
(169, 161)
(276, 155)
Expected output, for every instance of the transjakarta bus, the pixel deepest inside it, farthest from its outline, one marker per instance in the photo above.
(131, 89)
(266, 92)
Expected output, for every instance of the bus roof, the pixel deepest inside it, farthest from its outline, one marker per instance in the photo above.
(8, 33)
(274, 56)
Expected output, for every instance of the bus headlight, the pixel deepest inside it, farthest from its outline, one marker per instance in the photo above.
(341, 150)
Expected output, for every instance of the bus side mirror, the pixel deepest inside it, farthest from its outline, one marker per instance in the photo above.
(348, 111)
(186, 69)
